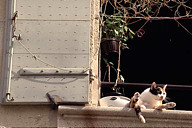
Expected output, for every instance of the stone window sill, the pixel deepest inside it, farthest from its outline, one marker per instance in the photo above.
(79, 116)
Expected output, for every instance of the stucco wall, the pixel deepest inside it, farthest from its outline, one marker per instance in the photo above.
(2, 22)
(94, 52)
(28, 116)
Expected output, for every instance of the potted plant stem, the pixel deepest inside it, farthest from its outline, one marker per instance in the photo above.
(115, 34)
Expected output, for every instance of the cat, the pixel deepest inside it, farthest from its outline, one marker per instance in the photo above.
(120, 101)
(152, 98)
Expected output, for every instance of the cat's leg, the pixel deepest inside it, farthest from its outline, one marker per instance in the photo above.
(134, 100)
(166, 106)
(170, 105)
(134, 104)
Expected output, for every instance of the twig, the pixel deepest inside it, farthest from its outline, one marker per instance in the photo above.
(183, 27)
(109, 72)
(118, 67)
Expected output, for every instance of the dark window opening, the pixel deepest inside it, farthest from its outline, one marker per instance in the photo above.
(163, 55)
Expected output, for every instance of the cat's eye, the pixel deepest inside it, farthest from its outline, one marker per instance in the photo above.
(160, 92)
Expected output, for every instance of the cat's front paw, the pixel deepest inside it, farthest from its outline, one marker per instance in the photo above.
(137, 95)
(170, 105)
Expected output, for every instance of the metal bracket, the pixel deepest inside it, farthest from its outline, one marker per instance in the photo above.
(8, 97)
(15, 16)
(52, 71)
(17, 37)
(92, 75)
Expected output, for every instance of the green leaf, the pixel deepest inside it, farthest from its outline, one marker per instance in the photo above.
(125, 38)
(107, 21)
(130, 35)
(123, 21)
(111, 63)
(126, 28)
(116, 32)
(131, 31)
(105, 60)
(148, 9)
(119, 19)
(122, 78)
(124, 46)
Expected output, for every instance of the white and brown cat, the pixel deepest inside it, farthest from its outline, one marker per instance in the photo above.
(150, 98)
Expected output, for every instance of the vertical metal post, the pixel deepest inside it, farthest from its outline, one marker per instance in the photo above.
(8, 94)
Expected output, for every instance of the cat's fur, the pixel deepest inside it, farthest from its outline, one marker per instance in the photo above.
(153, 97)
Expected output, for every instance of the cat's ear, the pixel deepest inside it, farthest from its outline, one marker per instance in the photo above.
(165, 86)
(153, 86)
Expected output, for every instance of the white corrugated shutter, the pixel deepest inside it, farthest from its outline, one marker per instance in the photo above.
(58, 33)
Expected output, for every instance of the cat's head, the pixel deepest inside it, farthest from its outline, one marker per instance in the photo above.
(159, 92)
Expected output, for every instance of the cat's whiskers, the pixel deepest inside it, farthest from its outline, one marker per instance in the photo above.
(167, 99)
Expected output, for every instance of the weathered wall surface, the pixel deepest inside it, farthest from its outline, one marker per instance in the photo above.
(94, 52)
(2, 22)
(27, 116)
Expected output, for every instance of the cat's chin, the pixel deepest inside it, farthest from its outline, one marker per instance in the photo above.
(159, 99)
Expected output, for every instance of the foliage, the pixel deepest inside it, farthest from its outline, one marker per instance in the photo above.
(114, 26)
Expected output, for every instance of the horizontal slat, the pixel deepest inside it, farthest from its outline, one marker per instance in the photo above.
(56, 60)
(52, 71)
(28, 89)
(54, 9)
(53, 36)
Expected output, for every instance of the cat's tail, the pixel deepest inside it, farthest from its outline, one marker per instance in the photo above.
(139, 114)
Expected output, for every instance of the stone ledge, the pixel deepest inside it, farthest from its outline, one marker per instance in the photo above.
(79, 116)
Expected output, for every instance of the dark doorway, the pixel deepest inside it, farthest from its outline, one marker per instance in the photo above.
(162, 55)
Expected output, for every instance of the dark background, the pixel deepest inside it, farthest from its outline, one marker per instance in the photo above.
(162, 55)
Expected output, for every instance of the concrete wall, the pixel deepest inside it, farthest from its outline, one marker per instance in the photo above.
(28, 116)
(2, 22)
